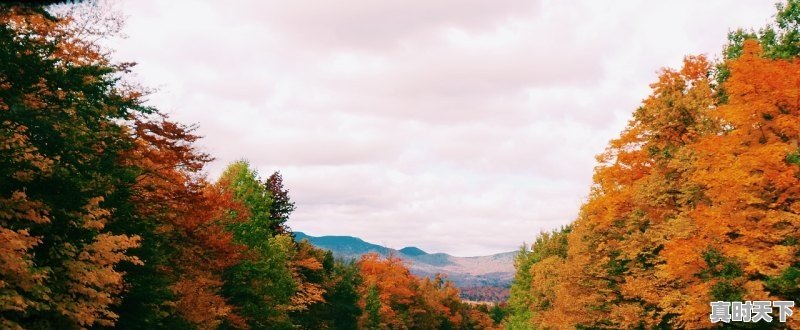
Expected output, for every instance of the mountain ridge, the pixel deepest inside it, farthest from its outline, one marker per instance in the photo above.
(495, 270)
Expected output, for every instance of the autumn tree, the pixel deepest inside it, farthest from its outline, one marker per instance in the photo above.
(61, 141)
(394, 284)
(750, 175)
(108, 215)
(693, 203)
(612, 274)
(393, 298)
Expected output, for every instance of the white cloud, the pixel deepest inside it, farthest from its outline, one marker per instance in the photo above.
(457, 126)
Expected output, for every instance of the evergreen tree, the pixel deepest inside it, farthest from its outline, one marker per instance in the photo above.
(281, 206)
(372, 308)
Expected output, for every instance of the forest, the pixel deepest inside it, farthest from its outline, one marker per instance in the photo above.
(698, 200)
(108, 218)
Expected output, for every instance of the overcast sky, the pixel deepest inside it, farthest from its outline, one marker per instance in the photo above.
(456, 126)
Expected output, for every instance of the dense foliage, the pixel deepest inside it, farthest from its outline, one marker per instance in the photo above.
(107, 220)
(696, 201)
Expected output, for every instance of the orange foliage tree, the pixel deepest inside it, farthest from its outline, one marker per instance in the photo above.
(695, 202)
(393, 298)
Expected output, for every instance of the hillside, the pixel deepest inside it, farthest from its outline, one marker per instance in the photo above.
(495, 270)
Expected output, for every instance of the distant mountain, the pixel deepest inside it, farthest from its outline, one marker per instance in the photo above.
(412, 251)
(495, 270)
(343, 246)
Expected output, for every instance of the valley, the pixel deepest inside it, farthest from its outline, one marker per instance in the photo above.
(480, 278)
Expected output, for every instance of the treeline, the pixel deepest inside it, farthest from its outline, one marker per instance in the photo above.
(107, 218)
(698, 200)
(494, 294)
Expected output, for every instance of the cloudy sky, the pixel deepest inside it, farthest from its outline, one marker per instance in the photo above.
(457, 126)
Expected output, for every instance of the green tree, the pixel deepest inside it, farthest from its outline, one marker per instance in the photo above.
(532, 291)
(339, 308)
(780, 39)
(519, 301)
(498, 313)
(372, 307)
(243, 182)
(261, 285)
(341, 300)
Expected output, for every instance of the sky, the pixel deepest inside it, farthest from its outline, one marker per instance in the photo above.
(456, 126)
